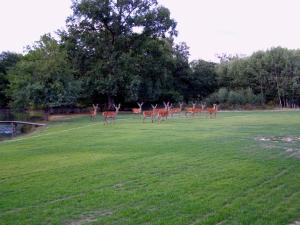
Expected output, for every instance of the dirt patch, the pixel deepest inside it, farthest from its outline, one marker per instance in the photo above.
(90, 217)
(287, 139)
(66, 116)
(295, 223)
(288, 144)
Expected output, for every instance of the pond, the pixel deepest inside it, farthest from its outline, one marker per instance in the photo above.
(8, 130)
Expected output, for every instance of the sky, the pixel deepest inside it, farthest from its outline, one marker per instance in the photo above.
(209, 27)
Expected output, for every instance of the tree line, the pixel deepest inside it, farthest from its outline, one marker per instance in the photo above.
(124, 51)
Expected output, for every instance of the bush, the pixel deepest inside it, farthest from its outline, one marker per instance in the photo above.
(235, 99)
(222, 95)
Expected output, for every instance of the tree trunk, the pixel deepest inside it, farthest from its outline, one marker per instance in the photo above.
(278, 91)
(46, 114)
(110, 102)
(261, 92)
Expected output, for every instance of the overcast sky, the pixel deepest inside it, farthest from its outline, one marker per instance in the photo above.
(209, 27)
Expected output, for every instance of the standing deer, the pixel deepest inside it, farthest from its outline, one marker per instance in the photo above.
(212, 111)
(203, 105)
(138, 110)
(111, 115)
(94, 112)
(190, 110)
(198, 111)
(150, 113)
(163, 113)
(176, 110)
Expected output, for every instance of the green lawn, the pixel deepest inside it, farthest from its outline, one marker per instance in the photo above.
(184, 171)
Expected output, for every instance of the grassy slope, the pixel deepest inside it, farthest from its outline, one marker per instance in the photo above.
(184, 171)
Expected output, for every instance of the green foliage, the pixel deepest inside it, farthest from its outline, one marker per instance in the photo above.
(43, 78)
(7, 61)
(274, 75)
(112, 59)
(202, 79)
(234, 98)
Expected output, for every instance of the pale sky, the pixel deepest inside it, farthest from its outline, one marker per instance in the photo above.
(209, 27)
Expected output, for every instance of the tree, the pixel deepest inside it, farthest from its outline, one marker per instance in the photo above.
(203, 79)
(43, 78)
(273, 75)
(103, 38)
(7, 61)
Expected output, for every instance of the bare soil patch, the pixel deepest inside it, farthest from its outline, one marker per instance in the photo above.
(287, 139)
(90, 217)
(62, 117)
(295, 223)
(289, 144)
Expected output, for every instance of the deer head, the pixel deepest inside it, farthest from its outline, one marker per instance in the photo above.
(117, 108)
(180, 105)
(95, 107)
(167, 105)
(140, 104)
(153, 107)
(194, 105)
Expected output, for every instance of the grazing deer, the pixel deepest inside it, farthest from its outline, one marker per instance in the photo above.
(190, 110)
(94, 112)
(150, 113)
(138, 110)
(212, 111)
(110, 114)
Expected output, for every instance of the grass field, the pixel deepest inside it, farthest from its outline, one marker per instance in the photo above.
(241, 168)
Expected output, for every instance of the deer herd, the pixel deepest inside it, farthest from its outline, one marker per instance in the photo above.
(158, 114)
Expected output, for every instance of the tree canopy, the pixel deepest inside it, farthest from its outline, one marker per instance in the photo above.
(124, 51)
(43, 78)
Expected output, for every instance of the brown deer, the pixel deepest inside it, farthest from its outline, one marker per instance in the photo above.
(163, 113)
(138, 110)
(198, 111)
(150, 113)
(176, 110)
(94, 112)
(212, 111)
(202, 109)
(190, 110)
(110, 114)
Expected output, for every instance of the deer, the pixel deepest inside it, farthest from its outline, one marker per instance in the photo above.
(200, 110)
(190, 110)
(150, 113)
(176, 110)
(212, 111)
(110, 114)
(138, 110)
(163, 113)
(94, 112)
